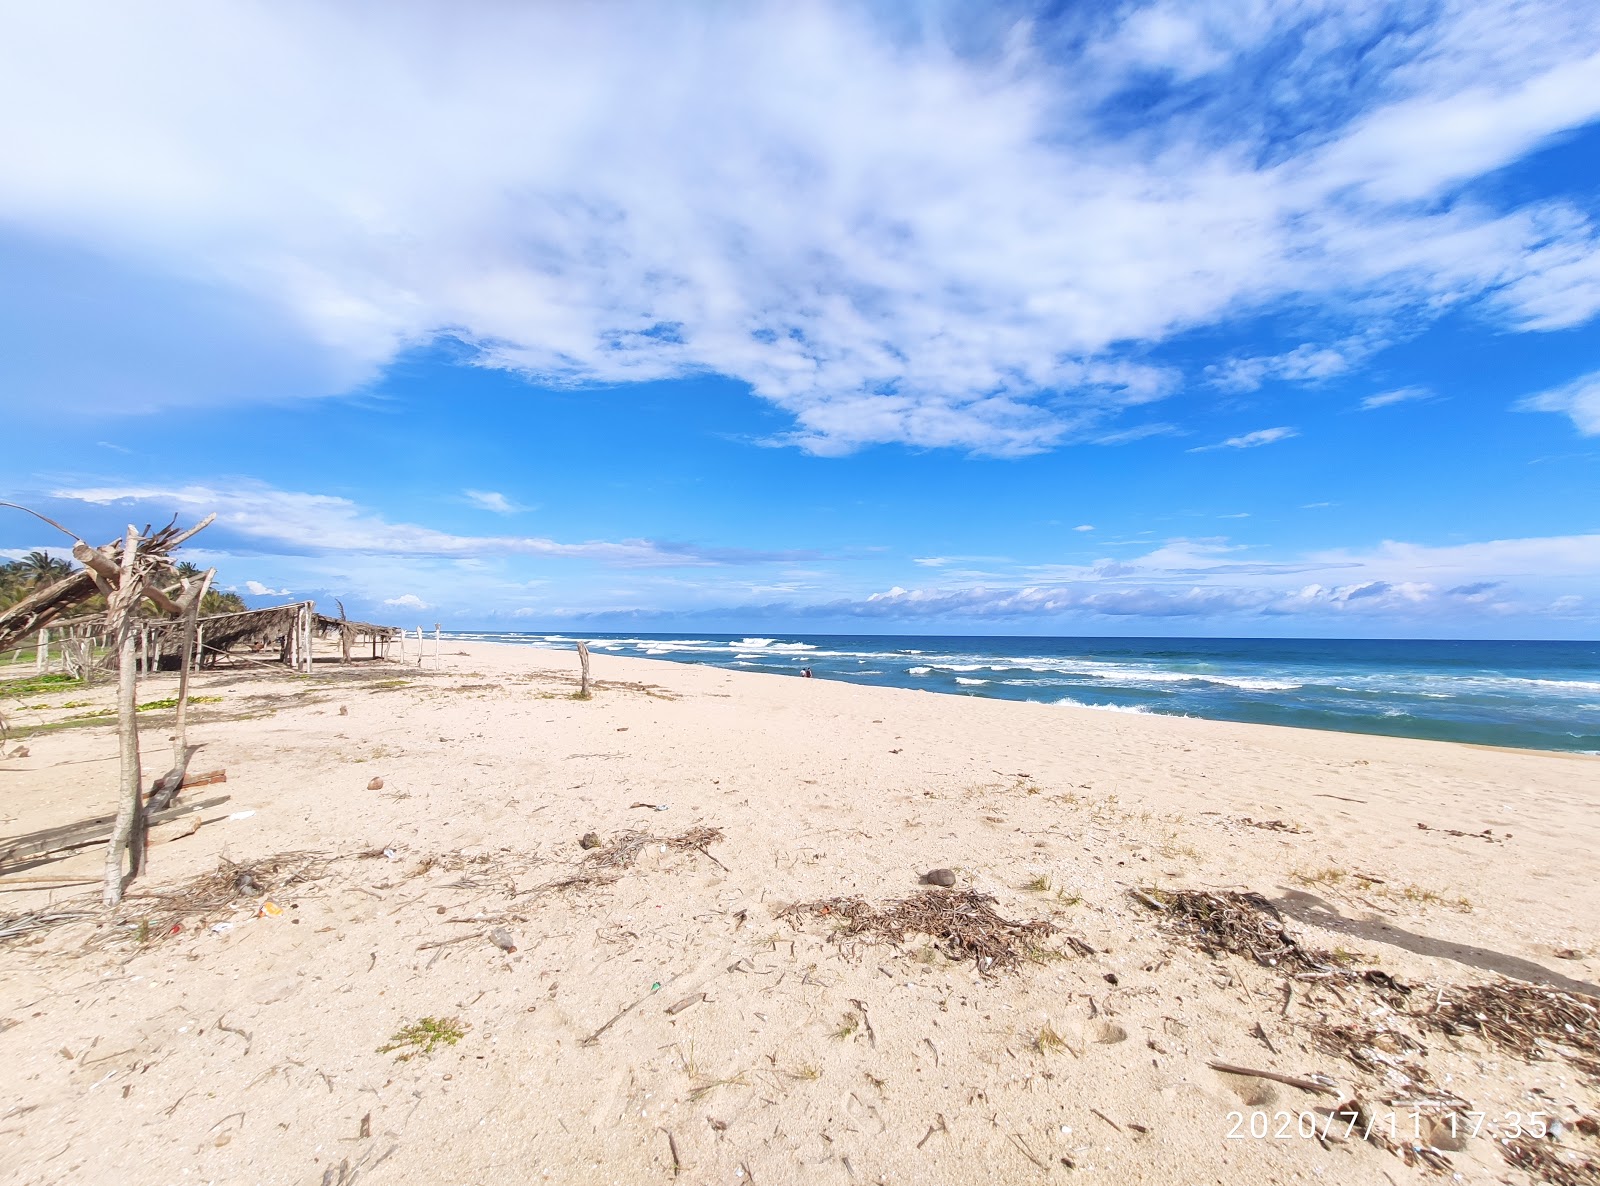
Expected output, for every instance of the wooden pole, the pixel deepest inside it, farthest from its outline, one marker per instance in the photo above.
(583, 658)
(41, 653)
(438, 661)
(191, 627)
(125, 834)
(419, 646)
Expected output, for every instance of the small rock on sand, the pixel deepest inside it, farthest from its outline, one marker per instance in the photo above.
(590, 840)
(942, 877)
(375, 785)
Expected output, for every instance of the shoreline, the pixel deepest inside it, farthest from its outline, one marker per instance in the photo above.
(561, 648)
(672, 992)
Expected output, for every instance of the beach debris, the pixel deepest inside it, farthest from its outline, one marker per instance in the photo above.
(1527, 1020)
(1271, 825)
(1232, 922)
(1569, 953)
(963, 925)
(651, 806)
(590, 840)
(174, 829)
(20, 752)
(423, 1037)
(503, 939)
(1487, 834)
(677, 1007)
(1546, 1161)
(242, 814)
(1319, 1083)
(375, 785)
(944, 877)
(344, 711)
(604, 865)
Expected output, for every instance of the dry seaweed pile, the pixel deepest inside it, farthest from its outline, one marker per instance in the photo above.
(1236, 923)
(963, 925)
(1549, 1162)
(1527, 1020)
(156, 914)
(606, 864)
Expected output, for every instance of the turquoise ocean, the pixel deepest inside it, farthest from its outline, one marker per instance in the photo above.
(1528, 695)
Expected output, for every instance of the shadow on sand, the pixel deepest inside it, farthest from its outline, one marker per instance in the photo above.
(1314, 911)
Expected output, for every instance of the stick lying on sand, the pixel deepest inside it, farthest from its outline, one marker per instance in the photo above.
(1322, 1087)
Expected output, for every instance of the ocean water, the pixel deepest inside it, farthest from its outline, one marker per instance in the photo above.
(1529, 695)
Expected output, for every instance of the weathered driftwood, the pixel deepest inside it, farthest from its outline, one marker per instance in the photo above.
(32, 849)
(583, 658)
(127, 840)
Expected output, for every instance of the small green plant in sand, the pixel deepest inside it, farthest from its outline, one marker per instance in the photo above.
(1039, 885)
(172, 702)
(1067, 899)
(806, 1073)
(423, 1037)
(1331, 875)
(847, 1028)
(1048, 1041)
(581, 696)
(702, 1090)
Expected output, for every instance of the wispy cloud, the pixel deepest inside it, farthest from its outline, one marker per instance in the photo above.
(492, 500)
(294, 522)
(1400, 395)
(1250, 440)
(407, 601)
(960, 231)
(1579, 399)
(257, 589)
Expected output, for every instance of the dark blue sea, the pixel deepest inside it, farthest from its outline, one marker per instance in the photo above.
(1529, 695)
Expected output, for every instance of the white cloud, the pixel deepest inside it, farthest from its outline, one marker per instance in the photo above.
(1250, 440)
(1304, 364)
(257, 589)
(888, 238)
(1579, 399)
(1084, 527)
(491, 500)
(1399, 395)
(407, 601)
(298, 522)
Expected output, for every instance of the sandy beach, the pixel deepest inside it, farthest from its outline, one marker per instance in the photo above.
(661, 1017)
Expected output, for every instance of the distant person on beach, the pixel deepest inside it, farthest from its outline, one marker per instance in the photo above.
(806, 672)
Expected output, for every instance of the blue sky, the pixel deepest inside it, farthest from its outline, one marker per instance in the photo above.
(1167, 318)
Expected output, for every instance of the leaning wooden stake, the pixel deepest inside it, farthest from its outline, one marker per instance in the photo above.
(583, 658)
(125, 837)
(166, 789)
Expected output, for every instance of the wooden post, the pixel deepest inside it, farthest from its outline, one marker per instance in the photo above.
(191, 627)
(583, 658)
(306, 612)
(41, 652)
(166, 789)
(419, 646)
(126, 834)
(438, 660)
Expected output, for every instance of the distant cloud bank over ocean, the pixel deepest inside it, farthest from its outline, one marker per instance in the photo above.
(1529, 695)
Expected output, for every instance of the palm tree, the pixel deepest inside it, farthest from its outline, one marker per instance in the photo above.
(39, 568)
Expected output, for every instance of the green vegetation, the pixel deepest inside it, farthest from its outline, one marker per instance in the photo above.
(34, 685)
(424, 1036)
(172, 702)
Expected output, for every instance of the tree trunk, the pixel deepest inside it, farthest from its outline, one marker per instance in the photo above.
(583, 658)
(127, 834)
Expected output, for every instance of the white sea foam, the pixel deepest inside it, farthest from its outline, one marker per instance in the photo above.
(1071, 703)
(918, 670)
(961, 679)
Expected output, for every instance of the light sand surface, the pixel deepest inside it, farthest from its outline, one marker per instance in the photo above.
(251, 1054)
